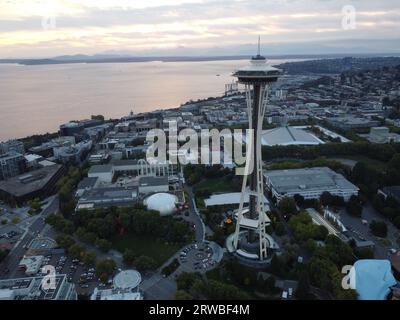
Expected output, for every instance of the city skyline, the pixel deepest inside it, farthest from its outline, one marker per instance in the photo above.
(195, 27)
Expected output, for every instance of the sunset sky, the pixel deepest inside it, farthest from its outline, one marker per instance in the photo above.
(45, 28)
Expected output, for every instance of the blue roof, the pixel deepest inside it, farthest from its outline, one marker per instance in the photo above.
(373, 279)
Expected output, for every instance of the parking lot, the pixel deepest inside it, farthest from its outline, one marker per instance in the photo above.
(362, 231)
(198, 257)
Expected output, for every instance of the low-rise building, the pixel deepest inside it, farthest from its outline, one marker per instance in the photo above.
(153, 184)
(107, 197)
(12, 145)
(86, 184)
(104, 173)
(40, 184)
(38, 288)
(11, 165)
(125, 287)
(31, 264)
(309, 183)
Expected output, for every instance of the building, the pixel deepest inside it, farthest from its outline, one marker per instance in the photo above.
(107, 197)
(286, 136)
(11, 165)
(73, 153)
(232, 198)
(31, 264)
(46, 149)
(142, 167)
(38, 288)
(40, 183)
(125, 287)
(395, 262)
(12, 145)
(350, 122)
(32, 160)
(153, 184)
(75, 128)
(391, 191)
(309, 183)
(105, 173)
(86, 184)
(372, 279)
(164, 203)
(379, 134)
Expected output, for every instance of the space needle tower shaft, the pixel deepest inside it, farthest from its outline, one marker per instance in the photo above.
(257, 78)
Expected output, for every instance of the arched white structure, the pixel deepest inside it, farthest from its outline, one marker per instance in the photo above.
(165, 203)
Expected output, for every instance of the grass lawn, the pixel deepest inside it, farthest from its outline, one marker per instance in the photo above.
(146, 245)
(217, 185)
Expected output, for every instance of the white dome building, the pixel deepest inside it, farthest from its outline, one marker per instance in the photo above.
(165, 203)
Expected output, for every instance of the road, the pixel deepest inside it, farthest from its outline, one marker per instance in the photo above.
(34, 226)
(194, 215)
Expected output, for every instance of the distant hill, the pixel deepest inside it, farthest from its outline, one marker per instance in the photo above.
(118, 58)
(336, 66)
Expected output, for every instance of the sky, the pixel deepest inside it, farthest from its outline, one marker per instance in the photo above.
(47, 28)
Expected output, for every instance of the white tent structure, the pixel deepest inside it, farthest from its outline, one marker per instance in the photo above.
(165, 203)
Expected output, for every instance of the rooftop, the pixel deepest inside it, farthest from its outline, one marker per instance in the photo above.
(288, 136)
(87, 183)
(29, 182)
(153, 181)
(31, 289)
(300, 180)
(105, 168)
(109, 194)
(227, 198)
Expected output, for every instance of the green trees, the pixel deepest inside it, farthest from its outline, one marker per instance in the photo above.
(353, 207)
(145, 263)
(183, 295)
(303, 287)
(378, 228)
(103, 244)
(280, 229)
(327, 199)
(304, 228)
(60, 224)
(105, 268)
(185, 280)
(129, 256)
(34, 206)
(288, 206)
(3, 254)
(325, 265)
(219, 290)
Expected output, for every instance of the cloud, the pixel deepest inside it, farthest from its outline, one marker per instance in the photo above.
(102, 25)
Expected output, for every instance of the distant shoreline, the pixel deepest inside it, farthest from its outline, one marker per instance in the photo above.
(99, 59)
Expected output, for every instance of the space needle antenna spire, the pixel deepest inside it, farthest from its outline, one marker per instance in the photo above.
(259, 46)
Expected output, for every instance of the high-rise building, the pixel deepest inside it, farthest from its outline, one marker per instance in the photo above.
(250, 239)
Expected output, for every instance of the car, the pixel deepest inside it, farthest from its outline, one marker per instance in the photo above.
(83, 286)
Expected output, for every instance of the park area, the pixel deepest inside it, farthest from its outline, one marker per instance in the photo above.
(146, 245)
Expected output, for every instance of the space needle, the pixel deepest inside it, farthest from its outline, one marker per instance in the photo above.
(250, 239)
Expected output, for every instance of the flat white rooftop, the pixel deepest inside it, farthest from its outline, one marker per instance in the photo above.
(284, 136)
(227, 198)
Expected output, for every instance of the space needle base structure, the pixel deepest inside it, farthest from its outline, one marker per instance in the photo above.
(250, 240)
